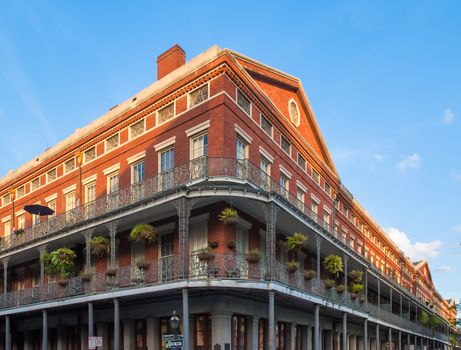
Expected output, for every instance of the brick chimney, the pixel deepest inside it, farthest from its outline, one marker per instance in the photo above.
(170, 60)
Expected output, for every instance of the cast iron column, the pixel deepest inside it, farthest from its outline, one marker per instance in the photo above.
(271, 321)
(344, 331)
(365, 334)
(185, 318)
(90, 319)
(7, 333)
(116, 325)
(317, 327)
(44, 330)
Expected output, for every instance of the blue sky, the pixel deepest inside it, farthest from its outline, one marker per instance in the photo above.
(383, 79)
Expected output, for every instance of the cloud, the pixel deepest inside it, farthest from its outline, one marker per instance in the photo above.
(443, 269)
(456, 177)
(415, 251)
(378, 157)
(448, 117)
(412, 161)
(456, 228)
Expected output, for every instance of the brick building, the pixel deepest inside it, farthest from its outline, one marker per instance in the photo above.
(219, 135)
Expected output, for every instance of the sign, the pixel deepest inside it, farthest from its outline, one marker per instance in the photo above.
(94, 342)
(173, 341)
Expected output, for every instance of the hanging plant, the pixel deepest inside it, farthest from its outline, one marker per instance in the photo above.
(231, 245)
(363, 298)
(143, 232)
(18, 232)
(329, 283)
(142, 264)
(214, 244)
(295, 241)
(86, 276)
(425, 319)
(356, 289)
(100, 246)
(309, 274)
(205, 254)
(59, 261)
(229, 216)
(333, 264)
(292, 266)
(253, 256)
(356, 276)
(340, 288)
(111, 272)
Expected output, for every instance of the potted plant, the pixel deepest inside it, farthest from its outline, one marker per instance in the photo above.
(329, 283)
(333, 264)
(229, 216)
(340, 288)
(59, 261)
(86, 276)
(253, 256)
(356, 289)
(309, 274)
(142, 264)
(295, 241)
(231, 245)
(356, 276)
(205, 254)
(143, 232)
(100, 246)
(63, 282)
(214, 244)
(292, 266)
(111, 272)
(363, 299)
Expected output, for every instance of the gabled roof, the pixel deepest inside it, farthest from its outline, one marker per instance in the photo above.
(423, 268)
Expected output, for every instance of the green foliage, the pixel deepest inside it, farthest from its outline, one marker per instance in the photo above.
(254, 256)
(357, 276)
(435, 321)
(292, 266)
(309, 274)
(100, 246)
(229, 216)
(340, 288)
(328, 283)
(295, 241)
(59, 261)
(425, 318)
(452, 339)
(333, 264)
(356, 288)
(143, 232)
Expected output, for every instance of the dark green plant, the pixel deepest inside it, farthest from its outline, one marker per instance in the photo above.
(100, 246)
(205, 253)
(292, 266)
(340, 288)
(229, 216)
(356, 288)
(309, 274)
(333, 264)
(452, 339)
(357, 276)
(295, 241)
(253, 256)
(328, 283)
(143, 232)
(425, 318)
(59, 261)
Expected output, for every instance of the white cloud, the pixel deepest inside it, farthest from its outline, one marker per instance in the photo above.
(456, 177)
(443, 269)
(457, 228)
(448, 117)
(415, 251)
(413, 161)
(378, 157)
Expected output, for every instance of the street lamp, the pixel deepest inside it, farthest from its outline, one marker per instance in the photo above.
(174, 323)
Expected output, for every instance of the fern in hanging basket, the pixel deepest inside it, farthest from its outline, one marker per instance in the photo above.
(309, 274)
(143, 232)
(253, 256)
(295, 241)
(356, 275)
(333, 264)
(86, 276)
(142, 264)
(292, 266)
(59, 261)
(205, 254)
(100, 246)
(340, 288)
(329, 283)
(229, 216)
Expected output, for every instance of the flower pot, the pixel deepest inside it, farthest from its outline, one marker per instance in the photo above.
(86, 276)
(340, 289)
(143, 265)
(231, 245)
(354, 296)
(308, 275)
(253, 258)
(111, 272)
(291, 267)
(205, 256)
(328, 283)
(214, 245)
(362, 298)
(63, 282)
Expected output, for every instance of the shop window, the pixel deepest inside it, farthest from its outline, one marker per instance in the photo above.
(238, 332)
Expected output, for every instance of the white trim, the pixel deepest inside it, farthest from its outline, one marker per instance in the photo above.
(20, 212)
(301, 186)
(89, 179)
(315, 198)
(266, 154)
(297, 108)
(199, 218)
(69, 189)
(111, 169)
(164, 144)
(51, 198)
(285, 171)
(6, 219)
(136, 157)
(328, 210)
(198, 128)
(247, 138)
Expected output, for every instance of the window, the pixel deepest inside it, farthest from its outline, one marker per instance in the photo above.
(344, 211)
(286, 146)
(7, 228)
(137, 128)
(315, 176)
(35, 276)
(35, 219)
(35, 184)
(301, 162)
(202, 332)
(243, 102)
(238, 333)
(298, 337)
(199, 146)
(112, 142)
(164, 330)
(336, 226)
(20, 276)
(166, 159)
(90, 192)
(165, 114)
(140, 334)
(241, 153)
(112, 183)
(51, 175)
(300, 194)
(52, 206)
(69, 165)
(284, 185)
(352, 241)
(327, 188)
(315, 206)
(90, 154)
(265, 168)
(326, 216)
(262, 334)
(21, 222)
(266, 125)
(137, 172)
(6, 199)
(70, 201)
(280, 336)
(344, 234)
(20, 191)
(199, 95)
